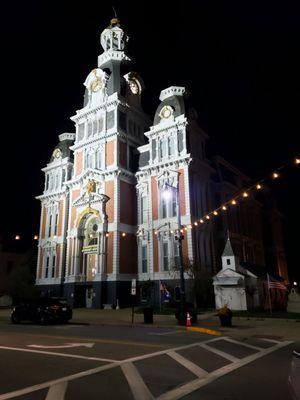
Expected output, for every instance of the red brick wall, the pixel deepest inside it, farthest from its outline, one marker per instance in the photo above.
(60, 217)
(110, 152)
(44, 215)
(181, 192)
(128, 254)
(78, 162)
(110, 253)
(123, 154)
(109, 191)
(154, 198)
(127, 203)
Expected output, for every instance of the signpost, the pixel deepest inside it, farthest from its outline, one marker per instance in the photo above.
(133, 293)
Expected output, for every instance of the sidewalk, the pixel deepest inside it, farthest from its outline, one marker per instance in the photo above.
(279, 329)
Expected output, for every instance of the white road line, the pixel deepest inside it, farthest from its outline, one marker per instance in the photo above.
(161, 352)
(114, 364)
(53, 353)
(57, 392)
(244, 344)
(136, 383)
(219, 352)
(269, 340)
(198, 383)
(201, 373)
(164, 333)
(44, 385)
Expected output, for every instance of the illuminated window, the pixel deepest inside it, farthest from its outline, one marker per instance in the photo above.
(144, 209)
(144, 259)
(53, 266)
(47, 267)
(165, 248)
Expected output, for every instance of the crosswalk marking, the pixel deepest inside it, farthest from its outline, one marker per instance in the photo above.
(190, 387)
(57, 392)
(219, 352)
(57, 388)
(188, 364)
(136, 383)
(250, 346)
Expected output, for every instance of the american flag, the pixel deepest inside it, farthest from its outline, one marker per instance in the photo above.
(274, 284)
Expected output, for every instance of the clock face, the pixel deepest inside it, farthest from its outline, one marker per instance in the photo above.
(56, 153)
(134, 86)
(96, 84)
(166, 112)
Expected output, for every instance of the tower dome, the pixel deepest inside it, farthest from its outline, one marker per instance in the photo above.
(113, 37)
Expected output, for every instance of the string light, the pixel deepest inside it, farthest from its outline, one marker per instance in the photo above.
(181, 230)
(275, 175)
(224, 208)
(190, 226)
(233, 202)
(215, 212)
(17, 237)
(107, 234)
(35, 237)
(201, 221)
(258, 186)
(207, 217)
(123, 234)
(55, 237)
(196, 223)
(245, 194)
(297, 160)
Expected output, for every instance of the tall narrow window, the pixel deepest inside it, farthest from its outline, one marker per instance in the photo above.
(63, 175)
(47, 182)
(173, 211)
(164, 206)
(53, 267)
(47, 267)
(171, 145)
(144, 209)
(144, 259)
(176, 254)
(80, 132)
(95, 127)
(90, 129)
(165, 256)
(55, 225)
(163, 149)
(49, 227)
(98, 159)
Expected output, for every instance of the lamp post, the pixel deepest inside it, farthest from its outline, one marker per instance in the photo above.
(166, 194)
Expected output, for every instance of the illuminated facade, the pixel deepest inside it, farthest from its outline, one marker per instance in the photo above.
(104, 218)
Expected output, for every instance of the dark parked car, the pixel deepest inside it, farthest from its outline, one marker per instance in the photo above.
(43, 311)
(294, 376)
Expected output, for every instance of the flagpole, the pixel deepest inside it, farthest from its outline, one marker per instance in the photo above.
(270, 303)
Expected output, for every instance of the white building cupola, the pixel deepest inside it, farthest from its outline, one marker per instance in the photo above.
(113, 37)
(229, 259)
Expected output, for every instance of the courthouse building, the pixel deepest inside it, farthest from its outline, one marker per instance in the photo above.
(105, 216)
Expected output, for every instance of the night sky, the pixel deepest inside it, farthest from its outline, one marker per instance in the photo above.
(240, 62)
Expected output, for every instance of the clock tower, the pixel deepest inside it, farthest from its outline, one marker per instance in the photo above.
(101, 256)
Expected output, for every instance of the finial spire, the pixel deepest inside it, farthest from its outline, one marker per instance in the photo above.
(114, 21)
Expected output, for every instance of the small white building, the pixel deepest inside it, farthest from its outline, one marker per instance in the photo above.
(234, 285)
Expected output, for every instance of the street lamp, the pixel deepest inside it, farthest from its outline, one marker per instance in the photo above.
(167, 195)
